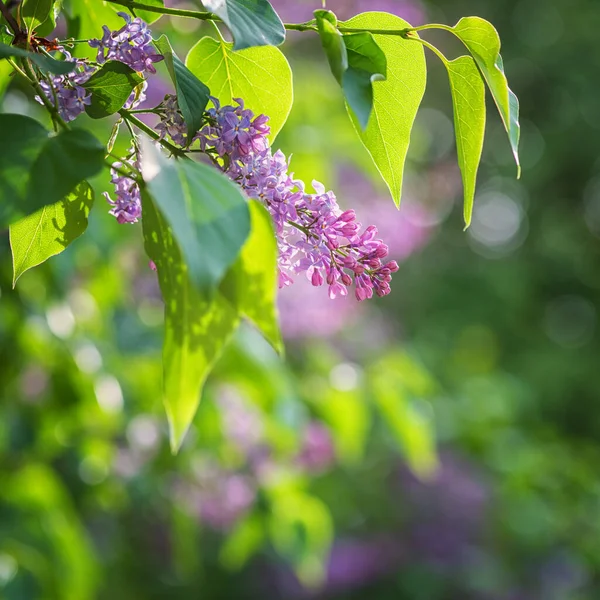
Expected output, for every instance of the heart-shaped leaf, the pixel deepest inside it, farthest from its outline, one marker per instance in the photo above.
(110, 88)
(260, 76)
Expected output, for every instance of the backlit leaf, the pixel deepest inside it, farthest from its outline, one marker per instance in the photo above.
(252, 284)
(196, 327)
(260, 76)
(49, 230)
(468, 100)
(395, 100)
(483, 41)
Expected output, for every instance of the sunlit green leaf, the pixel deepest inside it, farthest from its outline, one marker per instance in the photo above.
(37, 168)
(251, 22)
(252, 283)
(5, 76)
(468, 100)
(260, 76)
(192, 94)
(110, 87)
(208, 214)
(50, 230)
(196, 327)
(396, 100)
(34, 12)
(483, 41)
(45, 63)
(87, 18)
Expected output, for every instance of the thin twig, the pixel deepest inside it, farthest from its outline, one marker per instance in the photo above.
(12, 22)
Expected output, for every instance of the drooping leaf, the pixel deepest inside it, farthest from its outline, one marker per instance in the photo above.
(110, 87)
(196, 327)
(483, 41)
(260, 76)
(468, 100)
(45, 63)
(332, 42)
(35, 12)
(251, 22)
(48, 231)
(37, 169)
(192, 94)
(366, 64)
(251, 285)
(208, 214)
(395, 100)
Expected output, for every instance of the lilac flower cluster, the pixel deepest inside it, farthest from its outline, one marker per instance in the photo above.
(127, 206)
(132, 45)
(66, 93)
(315, 236)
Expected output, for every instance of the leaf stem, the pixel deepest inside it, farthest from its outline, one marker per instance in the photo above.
(151, 133)
(51, 108)
(428, 45)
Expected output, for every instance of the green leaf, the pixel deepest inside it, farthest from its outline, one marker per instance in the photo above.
(251, 22)
(89, 16)
(396, 381)
(468, 100)
(333, 43)
(45, 63)
(110, 87)
(483, 42)
(5, 76)
(37, 168)
(260, 76)
(49, 25)
(395, 101)
(34, 12)
(207, 212)
(251, 285)
(48, 231)
(196, 327)
(192, 94)
(366, 64)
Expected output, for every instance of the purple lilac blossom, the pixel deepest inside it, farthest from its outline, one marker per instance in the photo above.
(66, 93)
(127, 205)
(132, 45)
(314, 236)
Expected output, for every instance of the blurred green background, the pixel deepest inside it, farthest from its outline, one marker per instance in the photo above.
(440, 443)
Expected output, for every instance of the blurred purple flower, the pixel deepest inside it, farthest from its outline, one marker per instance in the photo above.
(317, 453)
